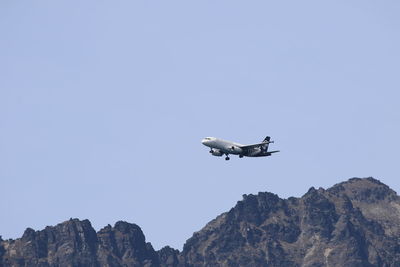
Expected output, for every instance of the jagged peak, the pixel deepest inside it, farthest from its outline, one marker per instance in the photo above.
(125, 226)
(168, 248)
(262, 200)
(314, 193)
(370, 179)
(169, 256)
(261, 197)
(360, 181)
(76, 221)
(29, 233)
(366, 189)
(311, 190)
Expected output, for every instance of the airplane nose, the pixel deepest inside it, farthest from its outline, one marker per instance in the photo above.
(205, 141)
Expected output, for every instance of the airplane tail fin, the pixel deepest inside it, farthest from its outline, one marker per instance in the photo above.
(266, 140)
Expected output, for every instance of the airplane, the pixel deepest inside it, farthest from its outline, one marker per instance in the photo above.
(220, 147)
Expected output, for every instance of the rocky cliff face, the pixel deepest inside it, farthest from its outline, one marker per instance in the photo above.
(75, 243)
(355, 223)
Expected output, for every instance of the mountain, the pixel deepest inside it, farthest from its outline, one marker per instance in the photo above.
(75, 243)
(354, 223)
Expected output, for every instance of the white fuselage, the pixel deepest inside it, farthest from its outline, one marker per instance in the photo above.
(221, 147)
(227, 147)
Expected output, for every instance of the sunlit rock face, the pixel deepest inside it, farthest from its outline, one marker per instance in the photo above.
(354, 223)
(75, 243)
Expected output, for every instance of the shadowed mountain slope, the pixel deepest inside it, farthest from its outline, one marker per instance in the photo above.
(354, 223)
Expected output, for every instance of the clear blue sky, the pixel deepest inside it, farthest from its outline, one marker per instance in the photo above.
(103, 105)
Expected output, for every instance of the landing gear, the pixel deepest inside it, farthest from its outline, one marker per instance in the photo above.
(227, 158)
(240, 156)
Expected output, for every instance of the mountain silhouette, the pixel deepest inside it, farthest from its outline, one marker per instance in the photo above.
(353, 223)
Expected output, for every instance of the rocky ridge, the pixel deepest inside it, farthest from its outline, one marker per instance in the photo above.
(354, 223)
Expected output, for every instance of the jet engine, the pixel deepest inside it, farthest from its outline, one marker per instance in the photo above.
(216, 152)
